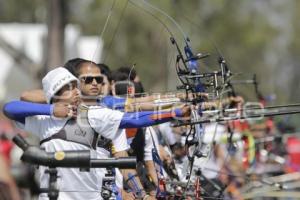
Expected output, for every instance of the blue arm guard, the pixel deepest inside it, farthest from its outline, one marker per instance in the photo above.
(112, 102)
(19, 110)
(147, 118)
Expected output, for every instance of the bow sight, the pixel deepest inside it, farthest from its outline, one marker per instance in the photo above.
(216, 84)
(193, 81)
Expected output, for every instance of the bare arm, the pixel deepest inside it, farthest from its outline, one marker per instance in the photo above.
(166, 101)
(128, 173)
(36, 96)
(149, 164)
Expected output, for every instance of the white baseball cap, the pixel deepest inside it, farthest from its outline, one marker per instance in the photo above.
(55, 80)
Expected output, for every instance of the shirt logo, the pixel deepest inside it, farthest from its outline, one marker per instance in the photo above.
(80, 133)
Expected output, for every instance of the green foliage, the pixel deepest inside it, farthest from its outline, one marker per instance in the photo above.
(26, 11)
(254, 36)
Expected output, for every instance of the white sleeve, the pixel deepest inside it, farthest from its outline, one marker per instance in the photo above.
(33, 124)
(167, 133)
(149, 143)
(120, 142)
(42, 126)
(119, 178)
(105, 121)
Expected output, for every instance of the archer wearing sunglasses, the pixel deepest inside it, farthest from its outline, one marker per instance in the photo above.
(91, 80)
(91, 84)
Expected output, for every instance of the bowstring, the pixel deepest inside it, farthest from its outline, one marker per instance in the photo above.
(115, 31)
(103, 29)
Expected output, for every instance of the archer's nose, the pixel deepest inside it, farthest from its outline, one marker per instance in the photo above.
(76, 92)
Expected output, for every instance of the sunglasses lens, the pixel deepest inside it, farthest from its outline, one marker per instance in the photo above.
(90, 79)
(99, 79)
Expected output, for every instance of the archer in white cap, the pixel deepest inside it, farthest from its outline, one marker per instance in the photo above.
(60, 87)
(60, 83)
(61, 134)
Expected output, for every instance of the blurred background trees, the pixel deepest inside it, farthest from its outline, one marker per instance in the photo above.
(258, 36)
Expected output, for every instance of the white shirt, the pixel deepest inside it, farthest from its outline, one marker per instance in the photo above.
(211, 165)
(72, 183)
(150, 140)
(167, 133)
(120, 142)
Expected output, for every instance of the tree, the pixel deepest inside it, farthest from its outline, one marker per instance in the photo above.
(56, 30)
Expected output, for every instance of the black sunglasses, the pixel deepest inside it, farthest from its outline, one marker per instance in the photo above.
(90, 79)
